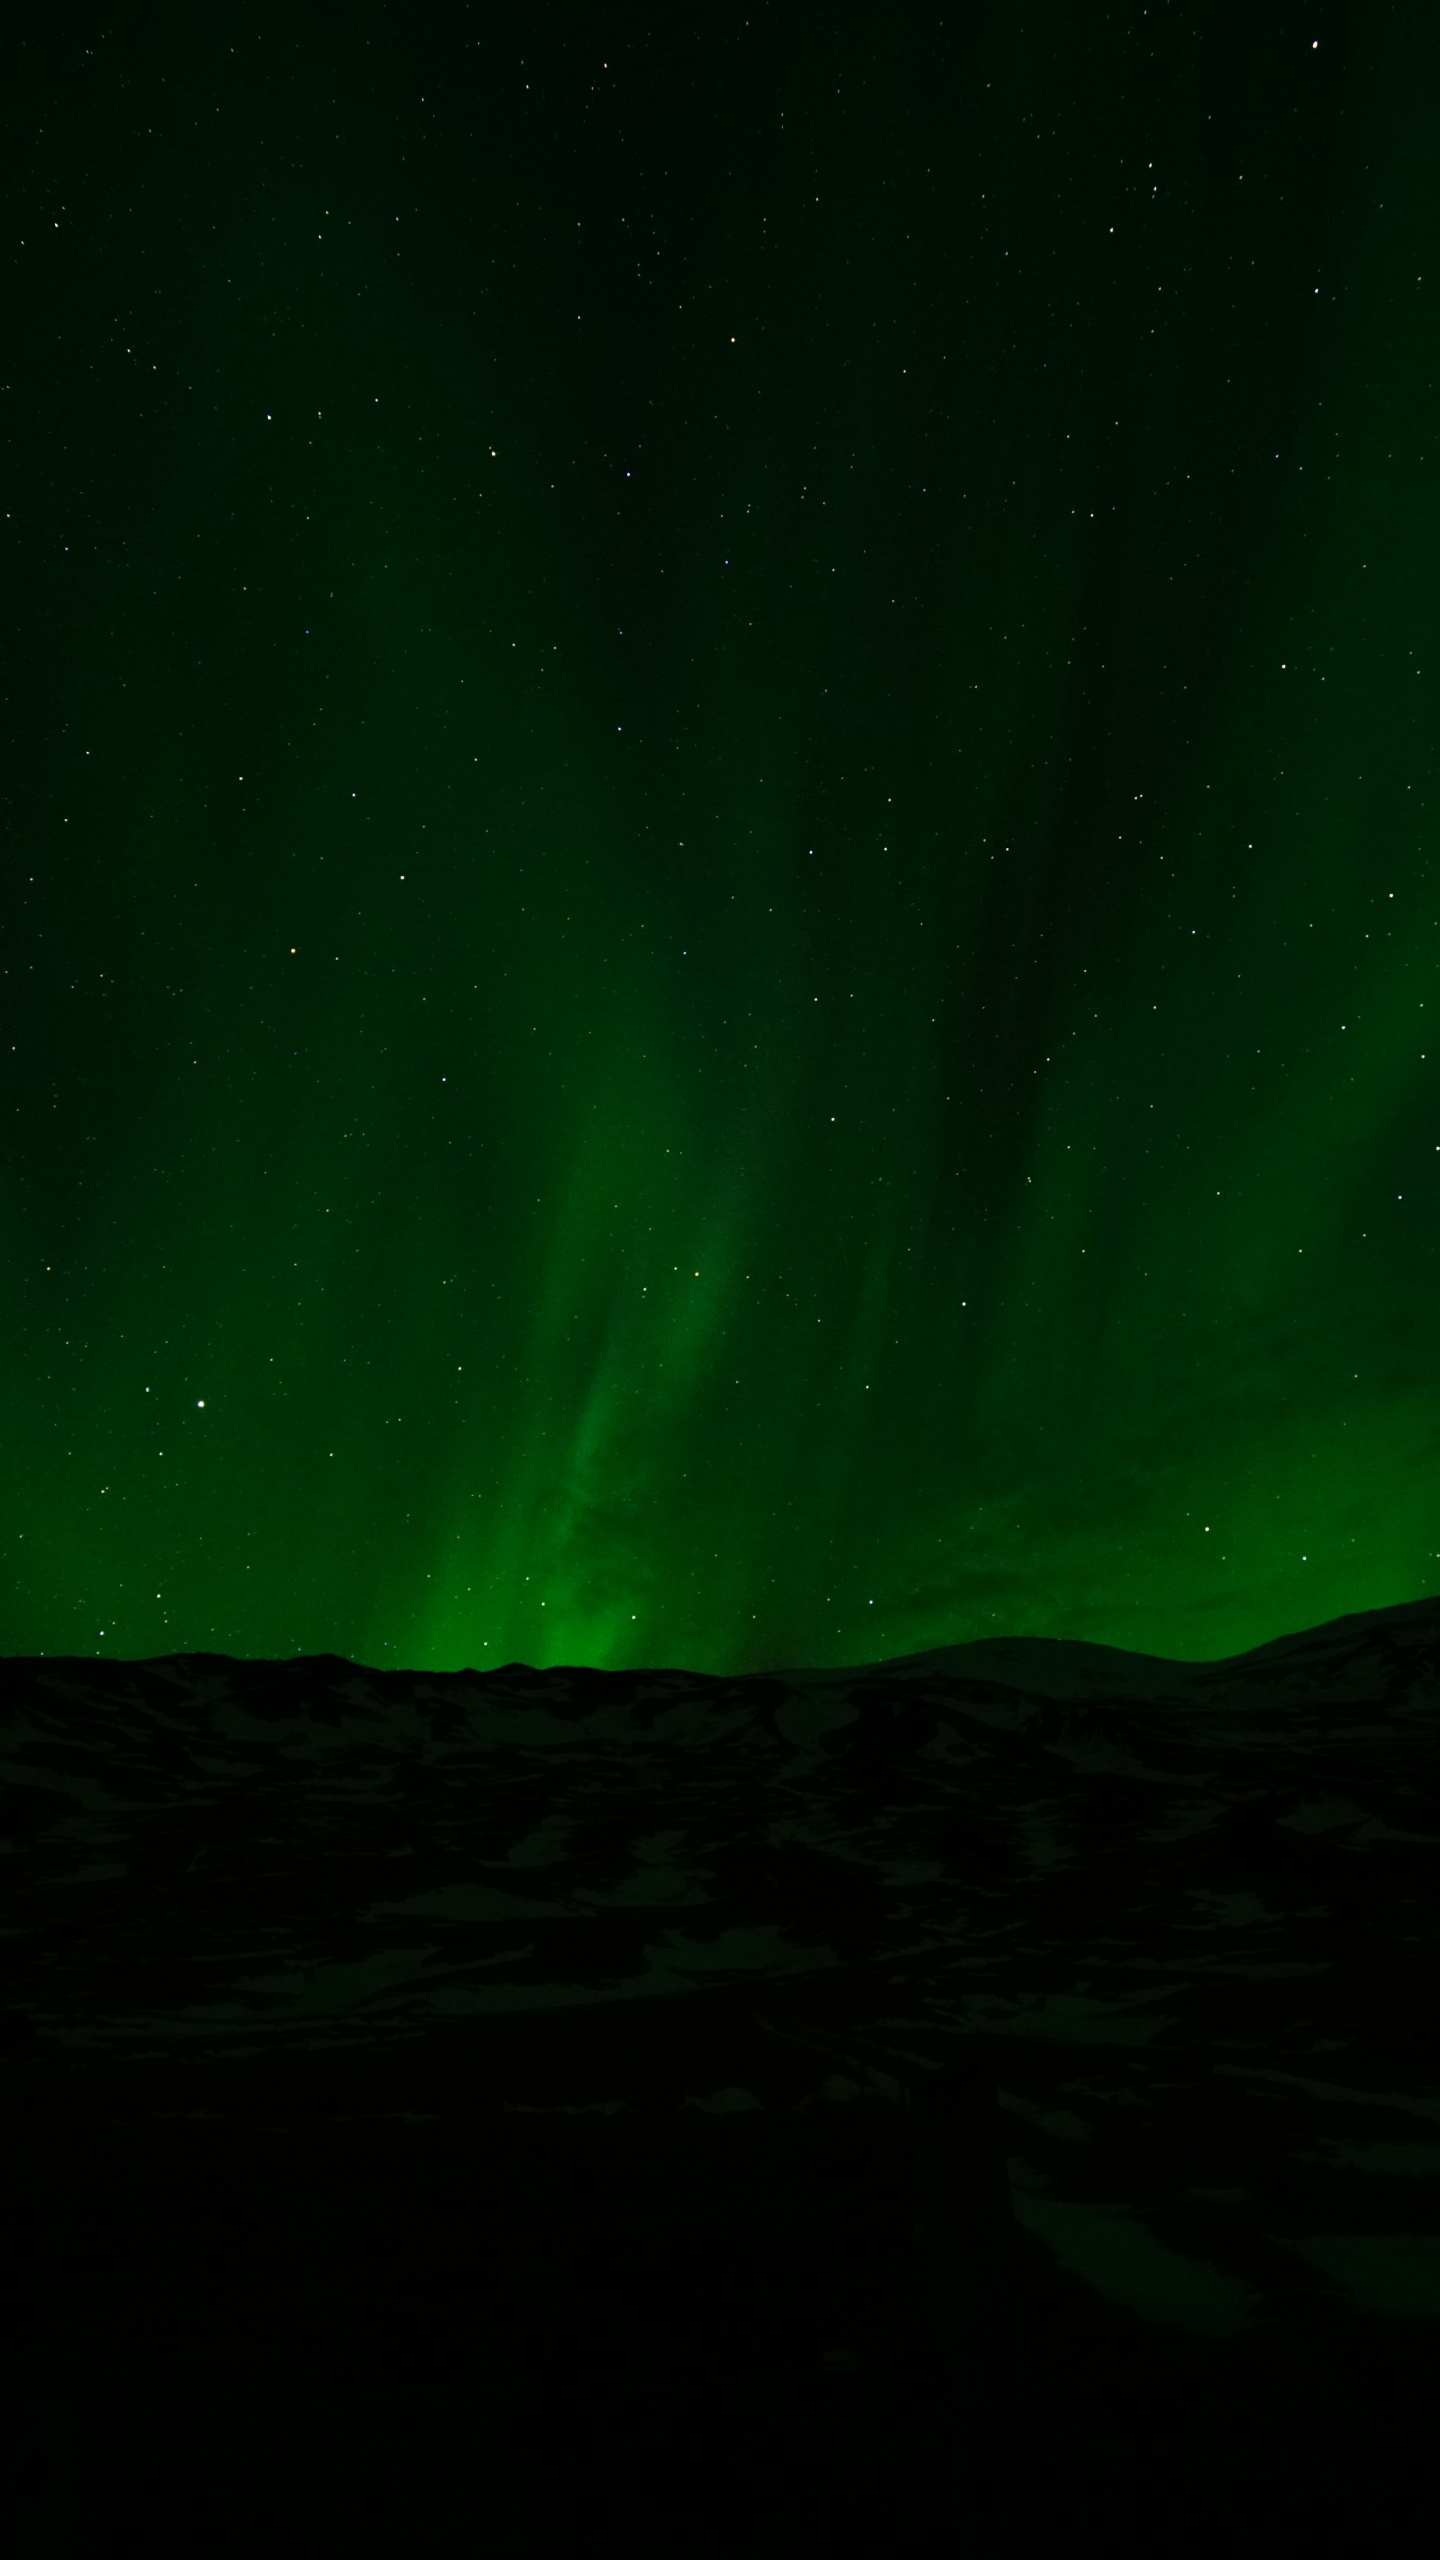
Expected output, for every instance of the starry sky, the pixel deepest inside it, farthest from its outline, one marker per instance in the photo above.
(719, 910)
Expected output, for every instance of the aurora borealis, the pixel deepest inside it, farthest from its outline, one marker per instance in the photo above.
(720, 911)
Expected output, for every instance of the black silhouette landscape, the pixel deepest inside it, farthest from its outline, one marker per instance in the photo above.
(1017, 2014)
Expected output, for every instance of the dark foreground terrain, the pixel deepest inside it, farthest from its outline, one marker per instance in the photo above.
(948, 2103)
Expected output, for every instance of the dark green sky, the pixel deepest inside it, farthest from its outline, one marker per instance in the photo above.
(719, 895)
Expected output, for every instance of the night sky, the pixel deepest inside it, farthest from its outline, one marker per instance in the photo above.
(719, 903)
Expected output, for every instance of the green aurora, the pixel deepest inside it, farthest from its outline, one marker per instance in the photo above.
(720, 908)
